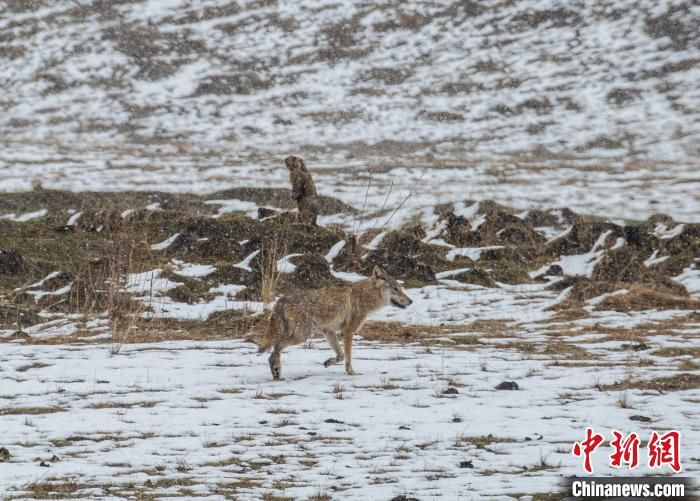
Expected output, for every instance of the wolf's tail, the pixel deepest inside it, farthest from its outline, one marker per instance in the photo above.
(261, 335)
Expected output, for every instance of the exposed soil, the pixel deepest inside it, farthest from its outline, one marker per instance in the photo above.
(120, 233)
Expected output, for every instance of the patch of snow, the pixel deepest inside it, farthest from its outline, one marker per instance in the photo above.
(619, 243)
(334, 251)
(466, 212)
(663, 232)
(235, 205)
(165, 243)
(148, 281)
(690, 278)
(652, 260)
(245, 264)
(74, 219)
(450, 273)
(583, 264)
(440, 242)
(28, 216)
(348, 276)
(58, 292)
(473, 253)
(599, 299)
(192, 270)
(41, 282)
(478, 222)
(560, 235)
(284, 265)
(376, 241)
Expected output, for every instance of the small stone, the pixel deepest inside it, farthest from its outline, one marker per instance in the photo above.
(402, 427)
(54, 459)
(450, 391)
(466, 464)
(641, 419)
(333, 421)
(264, 212)
(4, 455)
(555, 269)
(44, 464)
(508, 385)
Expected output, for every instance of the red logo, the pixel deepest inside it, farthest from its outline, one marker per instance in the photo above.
(662, 450)
(626, 451)
(665, 450)
(587, 447)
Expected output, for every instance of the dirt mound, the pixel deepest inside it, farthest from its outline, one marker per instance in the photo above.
(642, 298)
(103, 220)
(404, 257)
(492, 226)
(11, 262)
(506, 265)
(550, 217)
(682, 249)
(583, 235)
(475, 276)
(627, 265)
(312, 272)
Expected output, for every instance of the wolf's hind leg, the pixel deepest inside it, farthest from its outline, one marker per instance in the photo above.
(276, 363)
(333, 341)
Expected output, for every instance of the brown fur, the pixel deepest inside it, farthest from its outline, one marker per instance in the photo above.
(329, 311)
(303, 190)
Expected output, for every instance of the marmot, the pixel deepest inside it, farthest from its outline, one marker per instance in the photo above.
(303, 190)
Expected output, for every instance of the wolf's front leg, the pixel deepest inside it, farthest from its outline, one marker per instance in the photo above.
(347, 338)
(348, 331)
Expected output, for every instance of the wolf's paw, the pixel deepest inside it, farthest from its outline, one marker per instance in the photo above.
(332, 361)
(351, 372)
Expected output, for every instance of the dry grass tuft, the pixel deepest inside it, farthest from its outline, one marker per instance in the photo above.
(269, 280)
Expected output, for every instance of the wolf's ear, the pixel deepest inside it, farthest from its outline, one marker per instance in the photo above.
(377, 272)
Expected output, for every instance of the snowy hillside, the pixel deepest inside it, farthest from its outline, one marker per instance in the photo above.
(488, 78)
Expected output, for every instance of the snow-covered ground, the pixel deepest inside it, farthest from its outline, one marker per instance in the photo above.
(423, 77)
(201, 418)
(204, 418)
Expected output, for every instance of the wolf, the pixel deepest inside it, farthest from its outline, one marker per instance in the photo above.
(330, 311)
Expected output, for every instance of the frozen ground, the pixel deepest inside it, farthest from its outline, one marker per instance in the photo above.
(204, 418)
(490, 77)
(198, 418)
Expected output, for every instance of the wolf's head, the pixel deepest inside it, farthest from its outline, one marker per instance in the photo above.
(390, 289)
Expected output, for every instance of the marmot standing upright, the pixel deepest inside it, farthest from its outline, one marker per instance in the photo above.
(303, 190)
